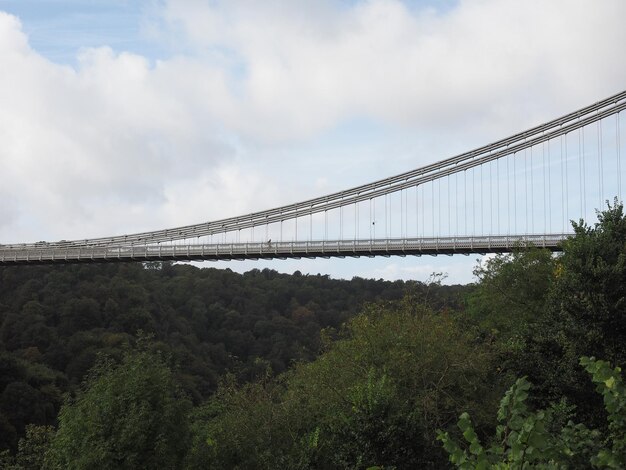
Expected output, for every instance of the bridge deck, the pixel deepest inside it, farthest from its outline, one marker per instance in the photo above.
(279, 250)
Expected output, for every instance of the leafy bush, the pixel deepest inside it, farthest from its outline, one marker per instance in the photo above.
(524, 439)
(374, 397)
(129, 416)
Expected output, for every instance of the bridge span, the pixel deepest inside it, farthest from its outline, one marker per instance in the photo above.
(283, 250)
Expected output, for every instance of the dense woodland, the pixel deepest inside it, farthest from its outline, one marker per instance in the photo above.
(172, 366)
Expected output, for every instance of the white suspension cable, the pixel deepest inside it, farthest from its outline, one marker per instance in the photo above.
(601, 169)
(582, 130)
(619, 151)
(532, 195)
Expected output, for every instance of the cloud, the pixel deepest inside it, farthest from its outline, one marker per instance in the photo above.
(114, 131)
(300, 67)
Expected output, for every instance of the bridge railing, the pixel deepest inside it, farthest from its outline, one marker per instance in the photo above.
(289, 249)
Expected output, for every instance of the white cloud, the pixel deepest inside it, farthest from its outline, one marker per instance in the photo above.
(304, 66)
(113, 132)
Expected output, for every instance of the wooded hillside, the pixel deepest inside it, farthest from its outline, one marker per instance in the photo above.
(56, 320)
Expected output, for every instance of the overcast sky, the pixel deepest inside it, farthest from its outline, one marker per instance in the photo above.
(120, 116)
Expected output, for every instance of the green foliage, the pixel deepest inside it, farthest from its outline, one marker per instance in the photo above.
(374, 397)
(128, 416)
(29, 394)
(590, 292)
(585, 315)
(243, 428)
(33, 447)
(512, 292)
(524, 440)
(507, 309)
(56, 320)
(521, 441)
(32, 450)
(542, 313)
(610, 384)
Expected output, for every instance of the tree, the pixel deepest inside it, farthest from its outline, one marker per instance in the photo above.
(544, 312)
(524, 440)
(128, 416)
(585, 315)
(512, 291)
(374, 397)
(590, 289)
(32, 450)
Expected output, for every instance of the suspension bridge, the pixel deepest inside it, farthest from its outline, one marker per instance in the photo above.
(518, 191)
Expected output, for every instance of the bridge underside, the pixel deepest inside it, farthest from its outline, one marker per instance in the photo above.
(282, 250)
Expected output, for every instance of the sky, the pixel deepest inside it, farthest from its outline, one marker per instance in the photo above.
(119, 116)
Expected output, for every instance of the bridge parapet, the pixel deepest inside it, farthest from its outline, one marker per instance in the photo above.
(282, 250)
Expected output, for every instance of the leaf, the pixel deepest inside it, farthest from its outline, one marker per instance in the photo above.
(610, 382)
(516, 423)
(538, 440)
(476, 448)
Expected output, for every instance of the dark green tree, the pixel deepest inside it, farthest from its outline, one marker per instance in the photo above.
(374, 397)
(590, 290)
(512, 292)
(525, 440)
(585, 315)
(542, 312)
(130, 415)
(32, 450)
